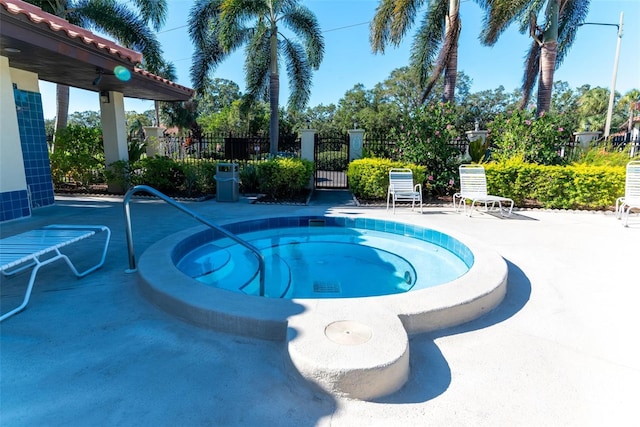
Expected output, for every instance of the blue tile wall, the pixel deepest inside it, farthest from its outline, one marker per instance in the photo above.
(14, 205)
(35, 152)
(426, 234)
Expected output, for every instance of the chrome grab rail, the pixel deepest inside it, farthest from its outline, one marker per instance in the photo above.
(169, 200)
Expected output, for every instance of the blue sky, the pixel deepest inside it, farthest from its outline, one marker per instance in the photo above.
(349, 60)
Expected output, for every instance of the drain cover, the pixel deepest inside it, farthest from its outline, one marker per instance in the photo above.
(348, 332)
(327, 287)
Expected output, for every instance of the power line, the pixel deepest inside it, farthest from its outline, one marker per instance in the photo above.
(347, 26)
(325, 31)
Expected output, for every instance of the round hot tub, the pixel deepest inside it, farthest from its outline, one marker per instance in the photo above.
(344, 293)
(326, 258)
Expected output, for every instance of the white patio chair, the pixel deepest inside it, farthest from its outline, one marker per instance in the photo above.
(36, 248)
(631, 198)
(473, 188)
(401, 188)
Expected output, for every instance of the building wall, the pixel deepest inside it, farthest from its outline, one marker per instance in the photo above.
(22, 143)
(35, 152)
(14, 198)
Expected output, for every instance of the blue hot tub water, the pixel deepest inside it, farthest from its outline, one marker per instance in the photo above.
(325, 257)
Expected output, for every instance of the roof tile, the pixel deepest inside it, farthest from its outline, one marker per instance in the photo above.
(55, 23)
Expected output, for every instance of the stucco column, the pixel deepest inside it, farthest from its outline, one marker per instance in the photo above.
(12, 174)
(356, 137)
(114, 131)
(307, 149)
(585, 138)
(307, 143)
(153, 138)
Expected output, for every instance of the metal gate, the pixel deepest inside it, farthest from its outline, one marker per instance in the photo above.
(331, 156)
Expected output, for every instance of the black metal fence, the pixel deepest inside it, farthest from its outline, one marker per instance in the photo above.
(386, 148)
(626, 141)
(224, 147)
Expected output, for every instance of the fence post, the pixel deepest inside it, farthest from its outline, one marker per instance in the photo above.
(356, 137)
(307, 141)
(152, 136)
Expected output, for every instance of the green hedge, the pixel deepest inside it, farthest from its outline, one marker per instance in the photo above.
(369, 178)
(557, 187)
(577, 186)
(283, 178)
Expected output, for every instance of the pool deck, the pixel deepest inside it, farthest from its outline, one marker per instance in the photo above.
(560, 350)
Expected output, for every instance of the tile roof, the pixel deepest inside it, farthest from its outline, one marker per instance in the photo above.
(55, 23)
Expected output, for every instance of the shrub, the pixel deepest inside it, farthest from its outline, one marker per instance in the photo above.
(161, 173)
(249, 181)
(78, 155)
(602, 156)
(557, 187)
(282, 178)
(424, 138)
(533, 140)
(206, 171)
(369, 178)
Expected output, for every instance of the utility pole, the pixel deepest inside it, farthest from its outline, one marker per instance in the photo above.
(607, 126)
(612, 95)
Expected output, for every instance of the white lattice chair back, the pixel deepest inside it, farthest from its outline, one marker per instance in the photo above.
(473, 180)
(632, 183)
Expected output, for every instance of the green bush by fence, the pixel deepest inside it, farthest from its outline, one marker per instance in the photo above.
(369, 178)
(577, 186)
(283, 178)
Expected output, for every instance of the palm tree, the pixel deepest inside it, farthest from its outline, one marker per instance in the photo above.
(168, 71)
(128, 26)
(435, 45)
(219, 27)
(550, 42)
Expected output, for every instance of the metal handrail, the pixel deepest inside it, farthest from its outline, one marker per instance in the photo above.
(169, 200)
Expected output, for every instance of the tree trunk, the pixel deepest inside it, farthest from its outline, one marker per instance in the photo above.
(545, 81)
(451, 70)
(62, 106)
(548, 54)
(156, 105)
(450, 76)
(274, 123)
(274, 93)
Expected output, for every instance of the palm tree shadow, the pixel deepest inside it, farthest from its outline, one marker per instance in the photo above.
(430, 374)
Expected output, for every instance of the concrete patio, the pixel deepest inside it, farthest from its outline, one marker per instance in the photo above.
(559, 351)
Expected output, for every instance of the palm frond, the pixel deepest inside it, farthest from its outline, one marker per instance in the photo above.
(428, 41)
(125, 25)
(303, 23)
(499, 15)
(154, 11)
(573, 14)
(404, 14)
(257, 62)
(241, 11)
(206, 59)
(299, 74)
(449, 46)
(530, 77)
(203, 14)
(380, 29)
